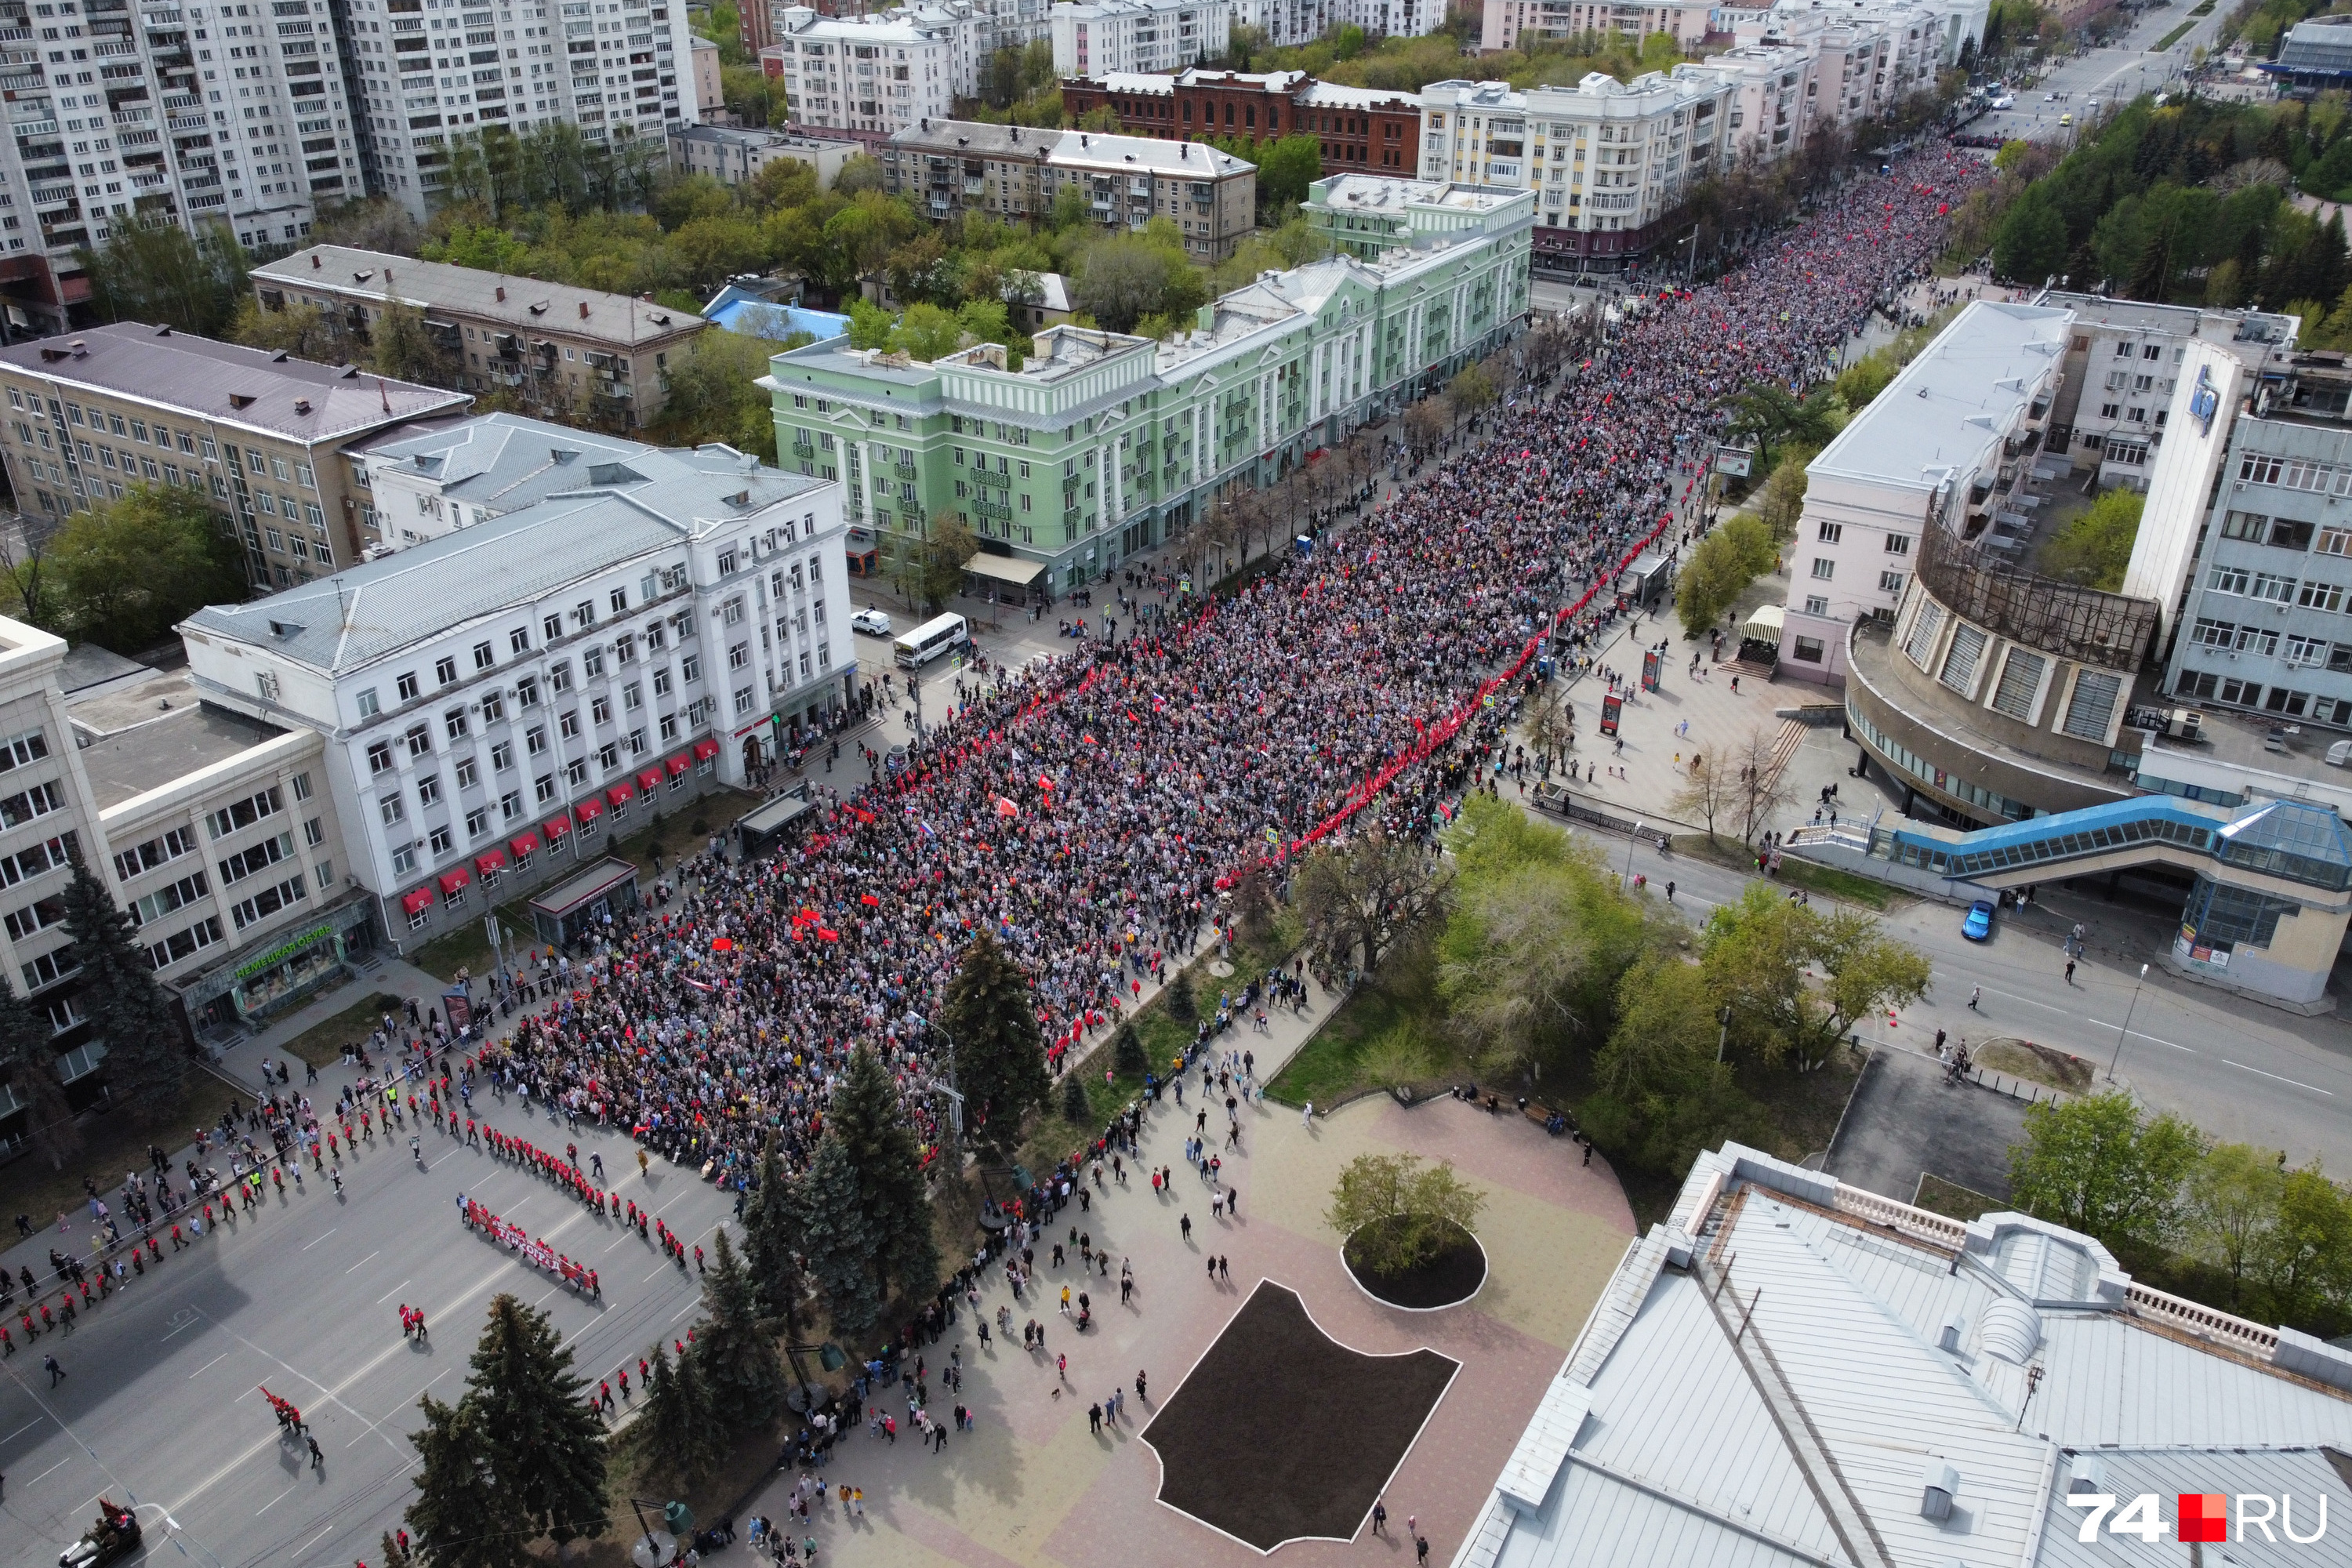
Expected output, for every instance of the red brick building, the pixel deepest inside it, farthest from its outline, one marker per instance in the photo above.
(1362, 129)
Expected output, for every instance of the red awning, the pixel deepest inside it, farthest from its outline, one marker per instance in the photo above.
(621, 793)
(705, 748)
(680, 764)
(490, 860)
(524, 844)
(452, 881)
(650, 780)
(589, 810)
(556, 827)
(415, 900)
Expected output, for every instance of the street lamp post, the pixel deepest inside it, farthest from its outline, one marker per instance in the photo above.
(2125, 1030)
(1627, 881)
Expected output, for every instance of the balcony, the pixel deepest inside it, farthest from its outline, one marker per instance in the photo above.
(182, 124)
(52, 196)
(34, 128)
(134, 117)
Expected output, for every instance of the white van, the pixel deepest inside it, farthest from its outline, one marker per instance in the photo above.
(929, 641)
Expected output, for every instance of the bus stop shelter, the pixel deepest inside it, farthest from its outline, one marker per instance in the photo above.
(761, 829)
(606, 887)
(1002, 579)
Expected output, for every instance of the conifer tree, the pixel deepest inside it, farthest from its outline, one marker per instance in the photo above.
(546, 1444)
(32, 1065)
(1127, 1054)
(838, 1238)
(882, 1151)
(1000, 1058)
(146, 1059)
(680, 1431)
(1180, 1005)
(458, 1517)
(734, 1345)
(1075, 1109)
(771, 1243)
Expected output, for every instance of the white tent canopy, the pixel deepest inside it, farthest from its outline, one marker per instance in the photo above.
(1765, 625)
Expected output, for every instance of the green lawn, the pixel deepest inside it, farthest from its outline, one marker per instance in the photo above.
(1847, 886)
(322, 1044)
(1403, 990)
(1952, 1200)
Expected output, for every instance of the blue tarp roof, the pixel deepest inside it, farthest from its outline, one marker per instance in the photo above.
(759, 318)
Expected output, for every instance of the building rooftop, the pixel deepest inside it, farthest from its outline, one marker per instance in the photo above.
(135, 737)
(974, 138)
(1333, 95)
(224, 383)
(1091, 149)
(339, 623)
(1960, 397)
(1792, 1371)
(1374, 192)
(526, 304)
(2254, 330)
(756, 135)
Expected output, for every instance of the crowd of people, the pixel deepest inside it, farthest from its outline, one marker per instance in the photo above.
(1085, 810)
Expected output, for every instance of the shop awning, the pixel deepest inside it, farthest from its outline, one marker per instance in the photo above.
(705, 748)
(452, 881)
(650, 780)
(1765, 625)
(555, 828)
(490, 860)
(524, 844)
(416, 898)
(1005, 568)
(588, 810)
(621, 793)
(680, 764)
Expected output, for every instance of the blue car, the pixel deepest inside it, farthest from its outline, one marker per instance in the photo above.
(1978, 927)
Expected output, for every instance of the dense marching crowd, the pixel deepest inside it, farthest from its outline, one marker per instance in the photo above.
(1085, 809)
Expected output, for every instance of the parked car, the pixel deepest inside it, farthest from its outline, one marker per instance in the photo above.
(874, 622)
(1978, 926)
(2004, 101)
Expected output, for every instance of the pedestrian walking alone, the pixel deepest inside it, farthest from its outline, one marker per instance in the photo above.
(55, 1370)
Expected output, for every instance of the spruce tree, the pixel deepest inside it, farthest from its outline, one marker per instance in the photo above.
(1126, 1055)
(882, 1150)
(771, 1243)
(32, 1063)
(1180, 1005)
(837, 1238)
(1076, 1111)
(546, 1443)
(1000, 1058)
(680, 1432)
(146, 1060)
(735, 1346)
(458, 1518)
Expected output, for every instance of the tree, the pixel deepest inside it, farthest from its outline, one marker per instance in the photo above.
(1707, 793)
(1127, 1054)
(32, 1061)
(1530, 957)
(1661, 1095)
(128, 570)
(24, 558)
(161, 274)
(889, 1165)
(714, 394)
(1179, 1003)
(1123, 278)
(838, 1238)
(1769, 414)
(927, 332)
(1426, 423)
(402, 348)
(1551, 722)
(294, 328)
(771, 1242)
(1471, 390)
(2233, 1202)
(932, 568)
(2102, 1165)
(1286, 168)
(1760, 954)
(1397, 1214)
(1077, 1108)
(460, 1518)
(146, 1057)
(999, 1057)
(2306, 1256)
(547, 1444)
(1721, 566)
(2096, 548)
(1762, 787)
(1782, 501)
(735, 1348)
(681, 1431)
(1356, 896)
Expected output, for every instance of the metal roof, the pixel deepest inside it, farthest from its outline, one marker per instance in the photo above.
(1950, 407)
(528, 305)
(227, 383)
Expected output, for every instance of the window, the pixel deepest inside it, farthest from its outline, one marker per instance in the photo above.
(510, 806)
(428, 789)
(2281, 701)
(268, 901)
(1890, 581)
(2336, 540)
(1816, 605)
(204, 933)
(1898, 544)
(591, 662)
(534, 739)
(2020, 678)
(420, 740)
(314, 833)
(404, 859)
(469, 773)
(406, 686)
(544, 786)
(171, 896)
(301, 786)
(2212, 634)
(551, 627)
(518, 639)
(1823, 568)
(1960, 663)
(440, 839)
(392, 808)
(453, 722)
(661, 682)
(1920, 645)
(608, 756)
(154, 853)
(379, 756)
(245, 813)
(483, 655)
(501, 756)
(599, 710)
(494, 707)
(575, 772)
(527, 692)
(477, 822)
(1831, 532)
(2276, 589)
(558, 678)
(2255, 639)
(2228, 580)
(689, 668)
(367, 703)
(236, 867)
(1808, 649)
(567, 723)
(17, 750)
(2093, 706)
(2316, 595)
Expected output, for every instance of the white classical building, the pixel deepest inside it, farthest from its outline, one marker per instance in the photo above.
(1289, 23)
(1098, 36)
(495, 700)
(875, 73)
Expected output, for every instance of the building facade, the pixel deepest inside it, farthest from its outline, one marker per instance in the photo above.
(1103, 35)
(710, 95)
(1360, 128)
(951, 167)
(1290, 23)
(494, 702)
(579, 353)
(1512, 23)
(875, 75)
(1104, 445)
(731, 154)
(263, 439)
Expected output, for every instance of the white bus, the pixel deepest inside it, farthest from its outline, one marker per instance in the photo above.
(929, 641)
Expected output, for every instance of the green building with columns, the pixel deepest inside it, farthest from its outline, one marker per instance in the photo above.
(1104, 445)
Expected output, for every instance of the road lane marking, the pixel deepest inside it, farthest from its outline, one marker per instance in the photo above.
(363, 1262)
(273, 1503)
(208, 1366)
(53, 1469)
(2029, 1001)
(2102, 1024)
(27, 1427)
(380, 1300)
(330, 1230)
(2274, 1078)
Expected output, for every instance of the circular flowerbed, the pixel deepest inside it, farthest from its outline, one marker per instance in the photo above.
(1451, 1276)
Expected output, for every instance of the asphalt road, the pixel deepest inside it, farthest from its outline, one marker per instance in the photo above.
(2121, 70)
(161, 1400)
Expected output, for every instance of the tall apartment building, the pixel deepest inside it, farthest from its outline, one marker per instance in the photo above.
(260, 436)
(873, 75)
(579, 353)
(1611, 162)
(1510, 24)
(493, 703)
(1288, 22)
(950, 166)
(1103, 445)
(431, 69)
(1361, 129)
(1098, 36)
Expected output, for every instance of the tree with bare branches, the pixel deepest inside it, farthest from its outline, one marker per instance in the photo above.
(1355, 898)
(1762, 791)
(1426, 423)
(1709, 792)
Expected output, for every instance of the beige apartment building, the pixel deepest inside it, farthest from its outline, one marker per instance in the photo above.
(261, 435)
(580, 355)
